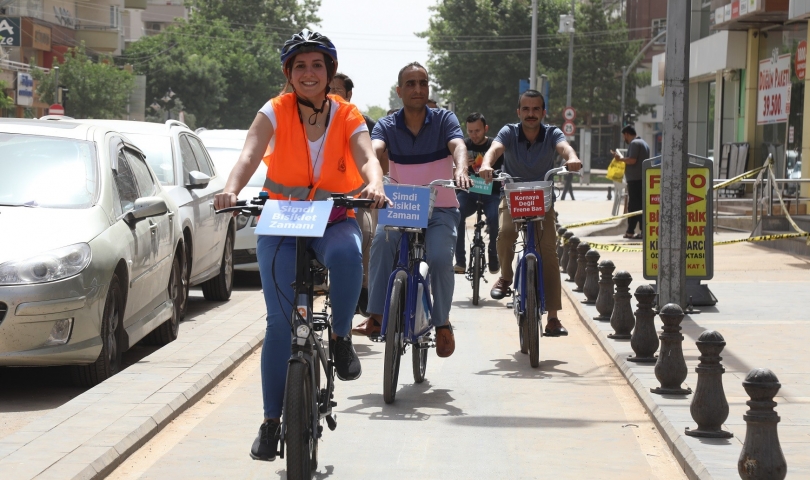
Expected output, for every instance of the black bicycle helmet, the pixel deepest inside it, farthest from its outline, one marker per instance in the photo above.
(303, 39)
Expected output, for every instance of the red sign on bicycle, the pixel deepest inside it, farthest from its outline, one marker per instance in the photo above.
(527, 203)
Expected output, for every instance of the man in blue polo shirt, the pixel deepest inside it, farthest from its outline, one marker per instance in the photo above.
(529, 149)
(423, 144)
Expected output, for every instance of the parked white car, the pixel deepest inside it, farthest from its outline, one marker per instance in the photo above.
(224, 146)
(186, 172)
(91, 253)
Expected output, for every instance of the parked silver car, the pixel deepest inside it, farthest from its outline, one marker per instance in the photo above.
(224, 146)
(186, 172)
(91, 253)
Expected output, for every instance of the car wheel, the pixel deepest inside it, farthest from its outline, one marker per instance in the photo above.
(167, 331)
(219, 288)
(109, 361)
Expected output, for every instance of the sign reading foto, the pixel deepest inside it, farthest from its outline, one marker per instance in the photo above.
(284, 218)
(526, 203)
(411, 206)
(773, 89)
(699, 225)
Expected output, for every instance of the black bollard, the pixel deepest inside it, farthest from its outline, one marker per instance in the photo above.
(670, 368)
(566, 248)
(622, 319)
(572, 259)
(591, 288)
(610, 191)
(582, 263)
(604, 301)
(761, 457)
(560, 232)
(645, 339)
(709, 405)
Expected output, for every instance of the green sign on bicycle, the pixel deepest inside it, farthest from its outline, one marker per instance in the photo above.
(480, 186)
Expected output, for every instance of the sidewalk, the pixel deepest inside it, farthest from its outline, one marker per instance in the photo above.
(762, 313)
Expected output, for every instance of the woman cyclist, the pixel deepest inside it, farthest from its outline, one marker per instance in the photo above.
(321, 146)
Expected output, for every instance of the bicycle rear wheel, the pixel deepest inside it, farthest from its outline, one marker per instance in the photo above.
(419, 357)
(531, 322)
(393, 336)
(476, 272)
(302, 447)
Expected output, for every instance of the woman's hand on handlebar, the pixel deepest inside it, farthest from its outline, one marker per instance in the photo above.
(374, 191)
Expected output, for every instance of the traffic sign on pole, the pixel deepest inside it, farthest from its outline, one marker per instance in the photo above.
(56, 109)
(569, 114)
(569, 128)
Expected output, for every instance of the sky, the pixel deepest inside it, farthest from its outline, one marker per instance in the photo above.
(374, 40)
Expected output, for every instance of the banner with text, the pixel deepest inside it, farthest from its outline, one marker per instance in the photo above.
(480, 186)
(773, 89)
(411, 206)
(284, 218)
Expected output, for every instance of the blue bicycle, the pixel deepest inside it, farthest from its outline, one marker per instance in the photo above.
(529, 301)
(408, 307)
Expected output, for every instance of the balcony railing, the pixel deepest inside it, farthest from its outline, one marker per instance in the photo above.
(18, 66)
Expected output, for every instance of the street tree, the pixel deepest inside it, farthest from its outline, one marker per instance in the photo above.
(375, 112)
(5, 100)
(394, 102)
(97, 89)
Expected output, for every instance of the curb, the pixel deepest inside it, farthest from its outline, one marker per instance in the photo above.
(89, 436)
(691, 465)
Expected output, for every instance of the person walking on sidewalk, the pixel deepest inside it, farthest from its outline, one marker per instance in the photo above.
(529, 149)
(568, 187)
(477, 145)
(424, 144)
(637, 152)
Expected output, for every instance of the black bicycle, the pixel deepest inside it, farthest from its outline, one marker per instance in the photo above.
(307, 401)
(475, 271)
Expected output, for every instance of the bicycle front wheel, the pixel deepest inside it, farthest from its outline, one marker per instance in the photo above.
(395, 325)
(531, 321)
(302, 446)
(476, 272)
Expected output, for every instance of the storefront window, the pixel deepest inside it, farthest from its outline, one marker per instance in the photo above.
(780, 103)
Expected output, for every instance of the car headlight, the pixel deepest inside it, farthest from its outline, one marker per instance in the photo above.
(242, 221)
(48, 267)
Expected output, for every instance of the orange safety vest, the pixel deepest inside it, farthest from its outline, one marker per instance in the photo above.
(289, 168)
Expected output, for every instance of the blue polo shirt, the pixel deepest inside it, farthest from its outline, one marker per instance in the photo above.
(420, 159)
(529, 161)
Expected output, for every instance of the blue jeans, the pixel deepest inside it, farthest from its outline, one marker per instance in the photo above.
(339, 251)
(440, 241)
(468, 206)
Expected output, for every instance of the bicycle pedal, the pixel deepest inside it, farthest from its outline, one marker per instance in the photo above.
(331, 421)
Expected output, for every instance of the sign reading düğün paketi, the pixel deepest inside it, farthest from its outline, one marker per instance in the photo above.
(411, 206)
(284, 218)
(526, 203)
(699, 246)
(773, 90)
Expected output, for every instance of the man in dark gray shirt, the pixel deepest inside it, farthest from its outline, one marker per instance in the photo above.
(637, 152)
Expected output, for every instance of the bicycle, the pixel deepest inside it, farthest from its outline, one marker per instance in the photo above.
(408, 306)
(307, 402)
(529, 303)
(475, 271)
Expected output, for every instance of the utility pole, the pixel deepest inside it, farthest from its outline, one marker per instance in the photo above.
(56, 85)
(675, 159)
(570, 59)
(533, 55)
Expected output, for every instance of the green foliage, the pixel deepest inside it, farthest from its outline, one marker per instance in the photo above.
(96, 89)
(223, 63)
(5, 100)
(375, 112)
(480, 49)
(394, 102)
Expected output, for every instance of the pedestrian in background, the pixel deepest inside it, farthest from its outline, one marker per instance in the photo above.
(637, 152)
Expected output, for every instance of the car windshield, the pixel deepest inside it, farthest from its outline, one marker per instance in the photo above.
(158, 151)
(40, 171)
(225, 158)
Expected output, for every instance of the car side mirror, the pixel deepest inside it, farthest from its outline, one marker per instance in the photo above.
(144, 208)
(197, 180)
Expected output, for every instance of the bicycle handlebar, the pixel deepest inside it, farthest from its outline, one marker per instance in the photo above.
(256, 204)
(554, 171)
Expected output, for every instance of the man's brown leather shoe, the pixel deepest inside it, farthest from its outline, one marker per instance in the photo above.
(500, 289)
(368, 328)
(445, 340)
(554, 328)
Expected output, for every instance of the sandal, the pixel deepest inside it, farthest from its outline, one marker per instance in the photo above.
(628, 235)
(638, 236)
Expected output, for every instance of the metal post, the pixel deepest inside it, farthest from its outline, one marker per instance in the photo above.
(672, 236)
(570, 60)
(533, 56)
(56, 86)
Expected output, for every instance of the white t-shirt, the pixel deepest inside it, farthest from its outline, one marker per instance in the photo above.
(316, 147)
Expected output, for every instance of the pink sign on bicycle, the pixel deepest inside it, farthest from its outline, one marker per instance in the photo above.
(527, 203)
